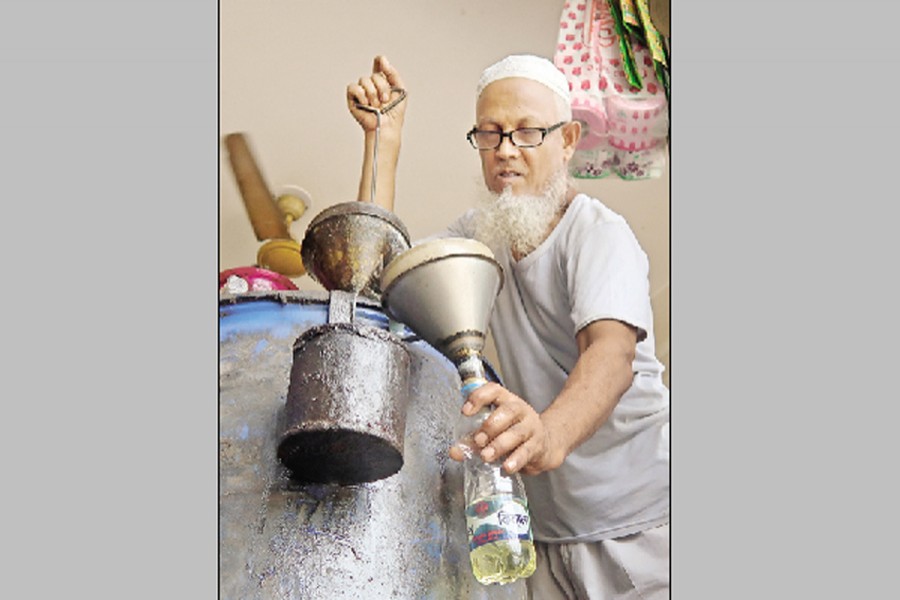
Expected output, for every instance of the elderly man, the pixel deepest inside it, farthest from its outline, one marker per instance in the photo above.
(584, 414)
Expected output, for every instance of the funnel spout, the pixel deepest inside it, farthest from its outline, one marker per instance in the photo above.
(472, 373)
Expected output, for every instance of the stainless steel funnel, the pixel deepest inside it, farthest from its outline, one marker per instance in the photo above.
(347, 245)
(444, 290)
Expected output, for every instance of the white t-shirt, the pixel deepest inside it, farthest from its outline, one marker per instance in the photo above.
(590, 267)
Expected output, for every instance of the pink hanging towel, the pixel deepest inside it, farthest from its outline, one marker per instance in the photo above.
(580, 63)
(589, 53)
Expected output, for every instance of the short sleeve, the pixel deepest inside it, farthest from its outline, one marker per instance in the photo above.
(607, 274)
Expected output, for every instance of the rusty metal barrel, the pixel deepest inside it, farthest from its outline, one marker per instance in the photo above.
(401, 536)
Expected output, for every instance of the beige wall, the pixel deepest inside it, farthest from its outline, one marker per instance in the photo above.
(284, 66)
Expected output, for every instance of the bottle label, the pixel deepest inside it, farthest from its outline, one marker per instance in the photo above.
(497, 518)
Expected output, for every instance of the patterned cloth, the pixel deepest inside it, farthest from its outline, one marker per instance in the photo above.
(624, 126)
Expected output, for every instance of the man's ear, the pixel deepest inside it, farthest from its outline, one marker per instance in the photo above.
(571, 132)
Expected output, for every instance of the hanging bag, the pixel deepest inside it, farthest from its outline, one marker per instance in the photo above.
(576, 58)
(616, 92)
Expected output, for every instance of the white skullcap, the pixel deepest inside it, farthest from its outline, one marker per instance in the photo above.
(528, 66)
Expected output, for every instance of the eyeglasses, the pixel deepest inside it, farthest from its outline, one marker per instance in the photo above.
(524, 137)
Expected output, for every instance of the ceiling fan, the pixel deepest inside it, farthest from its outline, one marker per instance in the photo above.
(270, 217)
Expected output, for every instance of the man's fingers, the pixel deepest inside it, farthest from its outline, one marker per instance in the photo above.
(457, 454)
(513, 438)
(481, 397)
(381, 65)
(374, 91)
(356, 94)
(379, 83)
(518, 460)
(500, 420)
(372, 96)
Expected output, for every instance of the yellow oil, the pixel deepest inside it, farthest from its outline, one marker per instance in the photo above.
(503, 561)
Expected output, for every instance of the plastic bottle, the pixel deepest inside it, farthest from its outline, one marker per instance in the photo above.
(501, 545)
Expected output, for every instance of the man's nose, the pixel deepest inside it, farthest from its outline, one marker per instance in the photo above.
(507, 148)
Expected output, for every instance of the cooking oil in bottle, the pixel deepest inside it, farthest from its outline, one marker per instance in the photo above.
(501, 549)
(501, 545)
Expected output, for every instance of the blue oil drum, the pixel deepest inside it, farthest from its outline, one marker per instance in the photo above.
(403, 536)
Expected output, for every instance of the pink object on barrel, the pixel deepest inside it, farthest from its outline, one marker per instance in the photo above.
(253, 279)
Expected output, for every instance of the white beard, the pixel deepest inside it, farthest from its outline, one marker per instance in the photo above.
(522, 222)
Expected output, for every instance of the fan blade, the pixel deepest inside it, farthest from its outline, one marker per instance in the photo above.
(267, 220)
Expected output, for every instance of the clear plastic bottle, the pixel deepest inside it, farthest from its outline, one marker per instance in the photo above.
(501, 545)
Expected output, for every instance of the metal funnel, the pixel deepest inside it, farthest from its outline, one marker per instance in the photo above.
(347, 245)
(444, 290)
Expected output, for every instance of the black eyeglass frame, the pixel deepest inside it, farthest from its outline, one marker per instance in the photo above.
(508, 134)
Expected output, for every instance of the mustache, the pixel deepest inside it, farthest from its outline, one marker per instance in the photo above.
(556, 187)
